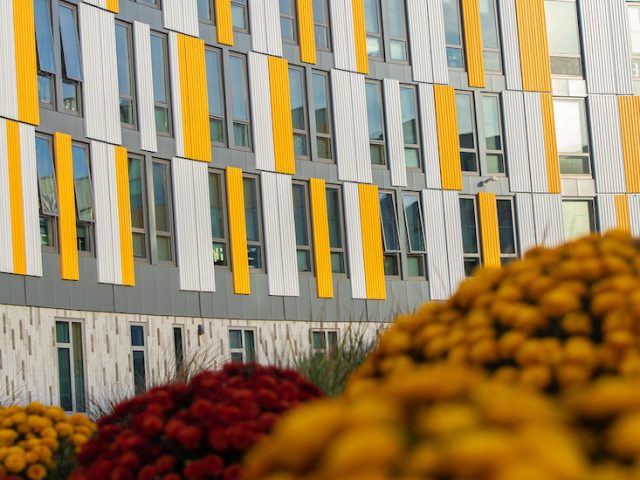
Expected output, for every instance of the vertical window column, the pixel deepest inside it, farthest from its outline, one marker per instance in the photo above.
(215, 95)
(416, 251)
(139, 358)
(242, 346)
(137, 201)
(491, 51)
(506, 231)
(239, 16)
(253, 221)
(160, 71)
(390, 240)
(321, 24)
(467, 132)
(69, 346)
(564, 38)
(375, 118)
(71, 69)
(453, 34)
(47, 191)
(162, 211)
(336, 233)
(470, 236)
(240, 101)
(46, 61)
(218, 219)
(301, 218)
(288, 24)
(299, 112)
(410, 129)
(572, 136)
(125, 73)
(84, 197)
(322, 106)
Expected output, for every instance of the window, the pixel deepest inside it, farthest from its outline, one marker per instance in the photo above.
(470, 246)
(137, 200)
(218, 219)
(162, 210)
(298, 112)
(564, 41)
(375, 118)
(634, 33)
(453, 34)
(408, 105)
(69, 346)
(288, 21)
(324, 341)
(397, 30)
(492, 123)
(301, 218)
(416, 251)
(490, 36)
(578, 217)
(215, 95)
(506, 231)
(239, 15)
(84, 197)
(467, 132)
(46, 60)
(252, 216)
(321, 24)
(47, 191)
(391, 19)
(242, 346)
(205, 11)
(153, 3)
(125, 73)
(71, 70)
(389, 234)
(572, 136)
(138, 358)
(178, 348)
(240, 100)
(336, 234)
(373, 24)
(160, 82)
(321, 99)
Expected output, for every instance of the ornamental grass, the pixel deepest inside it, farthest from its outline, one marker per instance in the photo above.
(39, 442)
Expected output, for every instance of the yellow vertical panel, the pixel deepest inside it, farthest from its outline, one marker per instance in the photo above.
(534, 46)
(195, 100)
(321, 245)
(16, 198)
(124, 216)
(489, 229)
(372, 242)
(26, 67)
(66, 207)
(550, 143)
(630, 130)
(307, 32)
(281, 115)
(360, 36)
(623, 219)
(113, 5)
(224, 22)
(238, 232)
(448, 140)
(473, 43)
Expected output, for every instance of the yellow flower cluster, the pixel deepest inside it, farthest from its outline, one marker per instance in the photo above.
(555, 319)
(32, 437)
(433, 422)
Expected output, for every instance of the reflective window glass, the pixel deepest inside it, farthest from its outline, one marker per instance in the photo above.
(70, 43)
(82, 183)
(46, 177)
(44, 36)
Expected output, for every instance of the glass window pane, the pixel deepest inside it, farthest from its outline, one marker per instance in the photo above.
(163, 244)
(251, 209)
(574, 165)
(337, 262)
(578, 218)
(238, 16)
(70, 43)
(389, 224)
(45, 89)
(64, 378)
(505, 227)
(409, 118)
(214, 82)
(204, 9)
(398, 50)
(374, 111)
(469, 231)
(304, 260)
(465, 121)
(495, 163)
(562, 27)
(158, 56)
(137, 336)
(70, 99)
(412, 158)
(374, 47)
(239, 88)
(371, 17)
(391, 265)
(78, 367)
(162, 118)
(488, 23)
(135, 193)
(333, 214)
(215, 202)
(396, 18)
(413, 215)
(633, 14)
(571, 126)
(491, 116)
(492, 62)
(178, 347)
(454, 58)
(82, 183)
(83, 237)
(122, 51)
(296, 87)
(254, 252)
(46, 177)
(161, 197)
(241, 135)
(452, 22)
(324, 147)
(139, 372)
(321, 103)
(44, 36)
(249, 346)
(62, 332)
(300, 215)
(415, 265)
(235, 338)
(319, 341)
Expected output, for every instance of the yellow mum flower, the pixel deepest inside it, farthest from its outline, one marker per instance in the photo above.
(15, 462)
(64, 429)
(36, 472)
(49, 432)
(7, 437)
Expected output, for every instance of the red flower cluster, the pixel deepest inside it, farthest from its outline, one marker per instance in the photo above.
(196, 431)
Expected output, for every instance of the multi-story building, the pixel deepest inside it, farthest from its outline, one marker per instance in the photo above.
(252, 177)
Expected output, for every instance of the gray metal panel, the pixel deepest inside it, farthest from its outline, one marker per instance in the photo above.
(535, 136)
(515, 131)
(181, 16)
(634, 214)
(344, 127)
(30, 203)
(203, 226)
(261, 111)
(429, 134)
(144, 84)
(8, 79)
(353, 229)
(607, 217)
(395, 135)
(343, 36)
(453, 231)
(607, 144)
(621, 47)
(360, 133)
(547, 210)
(597, 38)
(510, 44)
(525, 222)
(419, 41)
(6, 239)
(176, 93)
(438, 42)
(290, 284)
(437, 261)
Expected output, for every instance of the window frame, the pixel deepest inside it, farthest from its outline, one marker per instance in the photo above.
(180, 363)
(293, 18)
(132, 73)
(64, 79)
(243, 349)
(385, 39)
(485, 49)
(138, 348)
(225, 225)
(413, 146)
(378, 144)
(50, 218)
(49, 76)
(580, 56)
(462, 46)
(341, 220)
(326, 26)
(314, 120)
(468, 256)
(390, 253)
(212, 13)
(411, 252)
(635, 57)
(69, 346)
(506, 258)
(232, 118)
(241, 4)
(326, 332)
(305, 111)
(584, 110)
(223, 96)
(90, 225)
(474, 131)
(162, 233)
(167, 85)
(256, 243)
(145, 212)
(308, 249)
(593, 211)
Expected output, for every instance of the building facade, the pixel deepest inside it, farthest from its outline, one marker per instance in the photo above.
(248, 179)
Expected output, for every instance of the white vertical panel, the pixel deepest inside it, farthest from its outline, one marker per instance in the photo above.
(344, 127)
(264, 16)
(8, 79)
(186, 247)
(525, 222)
(395, 135)
(31, 208)
(429, 132)
(6, 239)
(144, 87)
(453, 231)
(344, 53)
(360, 133)
(607, 144)
(257, 26)
(437, 262)
(176, 93)
(261, 111)
(438, 42)
(510, 44)
(515, 131)
(634, 214)
(621, 47)
(181, 16)
(290, 286)
(202, 216)
(547, 210)
(96, 3)
(607, 217)
(535, 137)
(419, 41)
(100, 72)
(273, 250)
(597, 38)
(353, 229)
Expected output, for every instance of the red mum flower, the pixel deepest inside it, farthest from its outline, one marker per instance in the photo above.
(189, 437)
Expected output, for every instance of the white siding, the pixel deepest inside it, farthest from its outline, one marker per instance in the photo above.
(515, 131)
(598, 46)
(360, 133)
(176, 93)
(264, 16)
(261, 111)
(289, 282)
(621, 47)
(634, 214)
(437, 261)
(429, 132)
(181, 16)
(453, 231)
(353, 229)
(419, 41)
(144, 84)
(547, 210)
(344, 53)
(100, 72)
(395, 137)
(6, 239)
(438, 42)
(203, 226)
(607, 144)
(525, 222)
(30, 204)
(8, 80)
(607, 217)
(535, 136)
(510, 44)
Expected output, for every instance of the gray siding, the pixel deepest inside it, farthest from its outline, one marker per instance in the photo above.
(395, 137)
(525, 221)
(437, 260)
(515, 130)
(607, 217)
(354, 240)
(181, 16)
(510, 44)
(419, 40)
(607, 144)
(261, 110)
(429, 129)
(547, 209)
